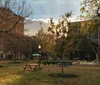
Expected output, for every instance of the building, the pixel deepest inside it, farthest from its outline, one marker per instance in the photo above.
(74, 27)
(10, 24)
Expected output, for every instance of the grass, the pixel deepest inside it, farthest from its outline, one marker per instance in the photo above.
(13, 74)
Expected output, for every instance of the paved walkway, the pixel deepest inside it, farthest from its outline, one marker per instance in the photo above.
(87, 64)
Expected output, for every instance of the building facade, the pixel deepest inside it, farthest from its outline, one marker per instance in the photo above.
(74, 27)
(11, 25)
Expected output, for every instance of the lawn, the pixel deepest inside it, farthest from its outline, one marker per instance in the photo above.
(13, 74)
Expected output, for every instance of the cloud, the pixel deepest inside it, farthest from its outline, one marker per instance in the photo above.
(54, 8)
(45, 9)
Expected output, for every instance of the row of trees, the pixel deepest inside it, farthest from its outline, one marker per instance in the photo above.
(87, 37)
(67, 41)
(61, 39)
(64, 41)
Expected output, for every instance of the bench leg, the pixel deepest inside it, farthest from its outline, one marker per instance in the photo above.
(25, 67)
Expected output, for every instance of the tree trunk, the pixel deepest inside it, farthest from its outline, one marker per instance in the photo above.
(15, 58)
(62, 66)
(96, 53)
(97, 56)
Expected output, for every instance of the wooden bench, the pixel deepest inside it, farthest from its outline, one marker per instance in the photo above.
(32, 67)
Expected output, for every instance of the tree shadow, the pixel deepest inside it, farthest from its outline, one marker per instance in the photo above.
(65, 75)
(15, 62)
(1, 66)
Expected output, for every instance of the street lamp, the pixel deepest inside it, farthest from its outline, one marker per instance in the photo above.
(39, 47)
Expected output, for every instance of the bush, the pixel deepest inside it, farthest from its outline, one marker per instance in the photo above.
(97, 61)
(43, 62)
(49, 62)
(69, 63)
(39, 62)
(55, 62)
(46, 62)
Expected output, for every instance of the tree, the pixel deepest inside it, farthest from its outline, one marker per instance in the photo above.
(91, 11)
(12, 13)
(25, 47)
(11, 44)
(77, 43)
(74, 43)
(17, 43)
(60, 32)
(46, 40)
(35, 43)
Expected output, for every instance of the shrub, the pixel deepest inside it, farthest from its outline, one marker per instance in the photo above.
(53, 62)
(44, 62)
(49, 62)
(39, 62)
(97, 61)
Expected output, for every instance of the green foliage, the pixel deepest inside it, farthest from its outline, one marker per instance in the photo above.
(90, 10)
(39, 62)
(35, 44)
(49, 62)
(46, 40)
(44, 62)
(59, 31)
(75, 42)
(97, 61)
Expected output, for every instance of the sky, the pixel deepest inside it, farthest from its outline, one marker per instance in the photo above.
(45, 9)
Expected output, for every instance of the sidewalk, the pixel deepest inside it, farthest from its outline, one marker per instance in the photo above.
(86, 64)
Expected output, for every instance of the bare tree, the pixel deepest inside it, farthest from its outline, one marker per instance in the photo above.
(60, 30)
(13, 13)
(17, 44)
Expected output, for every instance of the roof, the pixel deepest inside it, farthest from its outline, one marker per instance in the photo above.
(10, 11)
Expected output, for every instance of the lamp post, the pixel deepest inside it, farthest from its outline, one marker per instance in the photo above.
(39, 47)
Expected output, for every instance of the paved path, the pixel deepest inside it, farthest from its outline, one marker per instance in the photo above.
(86, 64)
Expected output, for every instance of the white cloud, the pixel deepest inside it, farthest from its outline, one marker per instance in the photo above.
(55, 8)
(44, 20)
